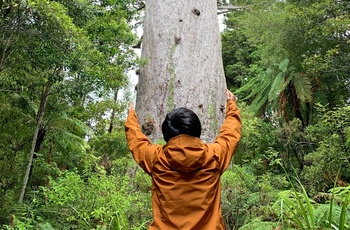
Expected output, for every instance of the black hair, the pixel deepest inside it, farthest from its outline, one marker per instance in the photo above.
(181, 121)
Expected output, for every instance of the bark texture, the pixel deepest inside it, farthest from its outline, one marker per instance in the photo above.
(182, 46)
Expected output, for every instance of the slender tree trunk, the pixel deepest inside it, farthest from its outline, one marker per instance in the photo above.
(182, 46)
(49, 162)
(39, 120)
(111, 124)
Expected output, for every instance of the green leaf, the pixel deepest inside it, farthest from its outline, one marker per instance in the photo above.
(343, 213)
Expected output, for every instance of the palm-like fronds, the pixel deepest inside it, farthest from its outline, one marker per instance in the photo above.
(259, 88)
(69, 124)
(273, 84)
(302, 87)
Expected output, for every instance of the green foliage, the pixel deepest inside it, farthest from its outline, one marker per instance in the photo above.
(92, 200)
(308, 41)
(238, 54)
(257, 137)
(111, 144)
(72, 54)
(246, 197)
(299, 206)
(276, 88)
(257, 224)
(311, 35)
(331, 152)
(344, 221)
(260, 93)
(297, 209)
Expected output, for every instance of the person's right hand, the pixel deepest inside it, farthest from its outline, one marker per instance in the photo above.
(230, 95)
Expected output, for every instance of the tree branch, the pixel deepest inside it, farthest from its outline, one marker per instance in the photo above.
(232, 7)
(227, 9)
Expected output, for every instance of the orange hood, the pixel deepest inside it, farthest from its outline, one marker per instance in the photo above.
(185, 153)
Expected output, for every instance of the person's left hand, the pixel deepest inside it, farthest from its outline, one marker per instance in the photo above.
(131, 106)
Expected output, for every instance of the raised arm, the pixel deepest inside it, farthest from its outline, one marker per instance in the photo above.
(230, 133)
(140, 146)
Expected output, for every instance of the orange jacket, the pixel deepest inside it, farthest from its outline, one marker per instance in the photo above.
(186, 173)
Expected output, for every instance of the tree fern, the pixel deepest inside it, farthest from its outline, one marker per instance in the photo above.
(259, 88)
(302, 87)
(277, 86)
(68, 135)
(266, 88)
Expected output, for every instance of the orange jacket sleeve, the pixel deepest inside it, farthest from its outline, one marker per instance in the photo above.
(230, 133)
(140, 146)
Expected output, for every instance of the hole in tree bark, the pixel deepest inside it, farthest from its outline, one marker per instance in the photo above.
(222, 108)
(196, 12)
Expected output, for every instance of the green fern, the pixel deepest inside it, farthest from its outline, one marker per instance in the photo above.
(277, 86)
(302, 87)
(267, 87)
(259, 88)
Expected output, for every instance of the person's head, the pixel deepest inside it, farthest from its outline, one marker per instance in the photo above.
(181, 121)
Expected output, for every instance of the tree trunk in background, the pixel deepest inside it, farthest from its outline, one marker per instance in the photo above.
(182, 46)
(39, 121)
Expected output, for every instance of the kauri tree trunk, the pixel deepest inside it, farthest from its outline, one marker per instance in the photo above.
(182, 48)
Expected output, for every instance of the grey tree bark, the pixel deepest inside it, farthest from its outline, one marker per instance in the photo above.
(182, 48)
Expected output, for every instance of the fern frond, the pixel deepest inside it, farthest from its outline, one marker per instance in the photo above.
(260, 103)
(249, 87)
(283, 65)
(302, 87)
(277, 86)
(74, 125)
(68, 141)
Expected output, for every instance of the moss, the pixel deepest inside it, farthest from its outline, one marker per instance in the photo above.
(171, 86)
(160, 142)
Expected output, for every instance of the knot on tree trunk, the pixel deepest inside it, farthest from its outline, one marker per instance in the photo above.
(148, 126)
(177, 39)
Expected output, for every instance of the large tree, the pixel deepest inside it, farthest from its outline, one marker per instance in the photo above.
(182, 51)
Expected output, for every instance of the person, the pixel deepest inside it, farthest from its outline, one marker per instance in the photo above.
(185, 171)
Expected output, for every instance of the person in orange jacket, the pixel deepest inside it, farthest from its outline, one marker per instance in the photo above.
(185, 171)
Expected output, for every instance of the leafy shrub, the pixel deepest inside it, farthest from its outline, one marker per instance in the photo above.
(331, 152)
(89, 201)
(246, 197)
(257, 137)
(300, 211)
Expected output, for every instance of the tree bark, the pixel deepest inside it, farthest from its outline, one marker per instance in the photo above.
(39, 120)
(182, 46)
